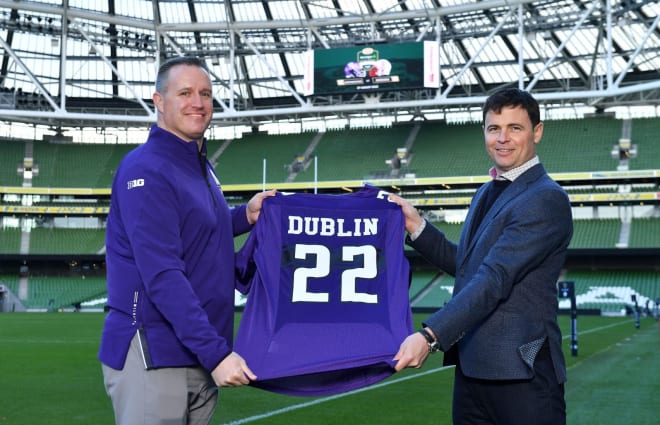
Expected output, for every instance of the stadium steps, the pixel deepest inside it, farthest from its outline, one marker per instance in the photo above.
(421, 279)
(357, 154)
(436, 294)
(242, 162)
(303, 161)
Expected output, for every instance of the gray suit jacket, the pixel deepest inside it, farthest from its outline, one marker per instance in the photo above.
(504, 304)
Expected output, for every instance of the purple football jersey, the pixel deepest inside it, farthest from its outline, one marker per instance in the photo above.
(328, 285)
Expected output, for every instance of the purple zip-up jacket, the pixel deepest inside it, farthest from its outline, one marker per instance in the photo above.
(170, 257)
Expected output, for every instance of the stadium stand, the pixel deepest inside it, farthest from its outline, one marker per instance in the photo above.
(579, 145)
(67, 241)
(433, 149)
(645, 136)
(11, 240)
(11, 160)
(443, 149)
(602, 233)
(10, 280)
(436, 294)
(57, 292)
(645, 233)
(75, 165)
(451, 230)
(421, 279)
(242, 161)
(610, 291)
(357, 153)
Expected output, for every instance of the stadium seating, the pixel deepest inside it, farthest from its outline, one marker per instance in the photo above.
(601, 233)
(443, 150)
(13, 154)
(645, 233)
(60, 292)
(357, 154)
(439, 149)
(436, 149)
(243, 159)
(579, 144)
(67, 241)
(11, 241)
(75, 165)
(611, 291)
(438, 293)
(421, 279)
(10, 280)
(451, 230)
(645, 136)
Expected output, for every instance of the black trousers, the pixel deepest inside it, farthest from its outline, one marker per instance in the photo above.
(535, 401)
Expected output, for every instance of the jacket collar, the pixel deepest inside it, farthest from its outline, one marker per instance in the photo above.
(518, 186)
(174, 144)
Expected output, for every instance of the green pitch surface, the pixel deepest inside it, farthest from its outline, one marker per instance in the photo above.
(49, 375)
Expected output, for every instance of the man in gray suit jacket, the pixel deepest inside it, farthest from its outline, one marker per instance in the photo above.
(500, 327)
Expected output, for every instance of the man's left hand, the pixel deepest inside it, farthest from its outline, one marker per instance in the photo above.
(254, 205)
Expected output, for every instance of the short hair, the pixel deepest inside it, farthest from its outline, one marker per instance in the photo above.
(511, 97)
(164, 69)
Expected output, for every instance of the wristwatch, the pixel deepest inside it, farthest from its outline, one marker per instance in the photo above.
(433, 343)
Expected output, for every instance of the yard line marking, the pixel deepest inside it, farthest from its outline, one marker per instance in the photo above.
(334, 397)
(601, 328)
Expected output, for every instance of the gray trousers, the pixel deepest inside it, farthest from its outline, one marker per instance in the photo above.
(167, 396)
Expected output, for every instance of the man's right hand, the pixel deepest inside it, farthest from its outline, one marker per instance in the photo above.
(410, 213)
(233, 371)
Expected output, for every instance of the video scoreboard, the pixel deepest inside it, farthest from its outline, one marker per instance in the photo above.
(372, 68)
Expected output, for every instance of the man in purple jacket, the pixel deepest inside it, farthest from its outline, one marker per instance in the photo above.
(167, 340)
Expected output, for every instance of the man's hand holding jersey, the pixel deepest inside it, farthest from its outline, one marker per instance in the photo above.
(410, 213)
(232, 371)
(414, 350)
(254, 205)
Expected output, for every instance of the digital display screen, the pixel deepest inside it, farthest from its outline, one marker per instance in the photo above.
(373, 68)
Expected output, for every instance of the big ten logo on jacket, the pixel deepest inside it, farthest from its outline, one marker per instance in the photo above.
(327, 283)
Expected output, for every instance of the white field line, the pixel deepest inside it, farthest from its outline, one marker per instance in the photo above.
(375, 386)
(598, 329)
(334, 397)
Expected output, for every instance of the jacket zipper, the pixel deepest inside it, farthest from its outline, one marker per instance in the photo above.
(205, 172)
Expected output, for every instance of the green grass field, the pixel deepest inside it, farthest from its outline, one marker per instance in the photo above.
(49, 374)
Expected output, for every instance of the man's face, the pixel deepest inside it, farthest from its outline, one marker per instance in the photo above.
(185, 107)
(510, 138)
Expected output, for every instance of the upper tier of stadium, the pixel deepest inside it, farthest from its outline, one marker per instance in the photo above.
(432, 149)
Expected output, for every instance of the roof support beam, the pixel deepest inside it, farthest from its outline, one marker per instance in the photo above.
(577, 25)
(29, 74)
(115, 71)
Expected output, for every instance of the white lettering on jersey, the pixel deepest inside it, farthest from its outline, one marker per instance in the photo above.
(327, 226)
(321, 268)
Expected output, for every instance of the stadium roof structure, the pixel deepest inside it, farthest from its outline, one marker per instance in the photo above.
(80, 63)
